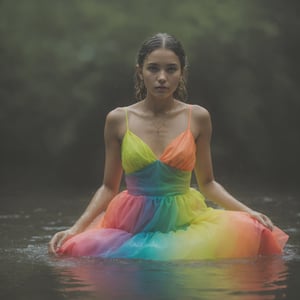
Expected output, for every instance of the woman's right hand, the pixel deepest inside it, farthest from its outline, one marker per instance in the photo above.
(58, 239)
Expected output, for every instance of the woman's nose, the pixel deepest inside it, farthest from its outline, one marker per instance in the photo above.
(162, 76)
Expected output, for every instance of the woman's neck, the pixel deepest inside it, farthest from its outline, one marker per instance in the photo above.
(159, 106)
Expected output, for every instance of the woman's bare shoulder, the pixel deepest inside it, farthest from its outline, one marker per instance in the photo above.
(116, 115)
(116, 118)
(201, 122)
(115, 123)
(119, 113)
(200, 113)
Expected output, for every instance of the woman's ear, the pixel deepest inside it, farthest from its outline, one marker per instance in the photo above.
(138, 69)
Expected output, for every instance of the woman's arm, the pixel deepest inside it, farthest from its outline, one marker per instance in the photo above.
(201, 126)
(113, 133)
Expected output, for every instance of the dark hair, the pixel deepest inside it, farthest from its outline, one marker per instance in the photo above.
(167, 41)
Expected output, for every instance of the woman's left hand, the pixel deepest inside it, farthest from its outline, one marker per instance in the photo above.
(263, 219)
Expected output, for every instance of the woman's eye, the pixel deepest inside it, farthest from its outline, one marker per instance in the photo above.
(172, 69)
(153, 68)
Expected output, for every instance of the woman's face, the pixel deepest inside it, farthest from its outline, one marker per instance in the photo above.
(161, 73)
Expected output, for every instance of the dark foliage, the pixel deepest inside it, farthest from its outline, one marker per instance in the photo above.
(65, 64)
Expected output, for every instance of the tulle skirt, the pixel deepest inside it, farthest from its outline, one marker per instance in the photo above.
(177, 227)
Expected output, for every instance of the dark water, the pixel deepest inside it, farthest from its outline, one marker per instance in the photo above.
(28, 220)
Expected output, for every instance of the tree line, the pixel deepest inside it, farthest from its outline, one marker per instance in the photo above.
(65, 64)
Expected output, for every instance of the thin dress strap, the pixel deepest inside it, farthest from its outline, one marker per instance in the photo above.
(126, 116)
(190, 116)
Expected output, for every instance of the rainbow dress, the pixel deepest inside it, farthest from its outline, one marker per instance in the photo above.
(160, 217)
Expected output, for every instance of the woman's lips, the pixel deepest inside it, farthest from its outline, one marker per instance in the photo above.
(162, 88)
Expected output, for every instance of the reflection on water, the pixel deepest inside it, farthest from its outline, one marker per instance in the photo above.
(259, 279)
(27, 272)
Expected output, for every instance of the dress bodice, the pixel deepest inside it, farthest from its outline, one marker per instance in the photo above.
(145, 173)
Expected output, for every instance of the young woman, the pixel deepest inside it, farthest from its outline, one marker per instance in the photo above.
(158, 142)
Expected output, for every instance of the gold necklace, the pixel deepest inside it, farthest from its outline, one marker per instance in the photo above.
(159, 126)
(162, 121)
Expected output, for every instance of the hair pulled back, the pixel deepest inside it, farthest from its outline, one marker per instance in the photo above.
(158, 41)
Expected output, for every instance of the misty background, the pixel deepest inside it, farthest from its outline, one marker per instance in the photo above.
(64, 64)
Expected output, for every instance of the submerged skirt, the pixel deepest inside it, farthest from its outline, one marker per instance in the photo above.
(176, 227)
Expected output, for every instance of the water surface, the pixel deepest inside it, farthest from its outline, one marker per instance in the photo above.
(29, 219)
